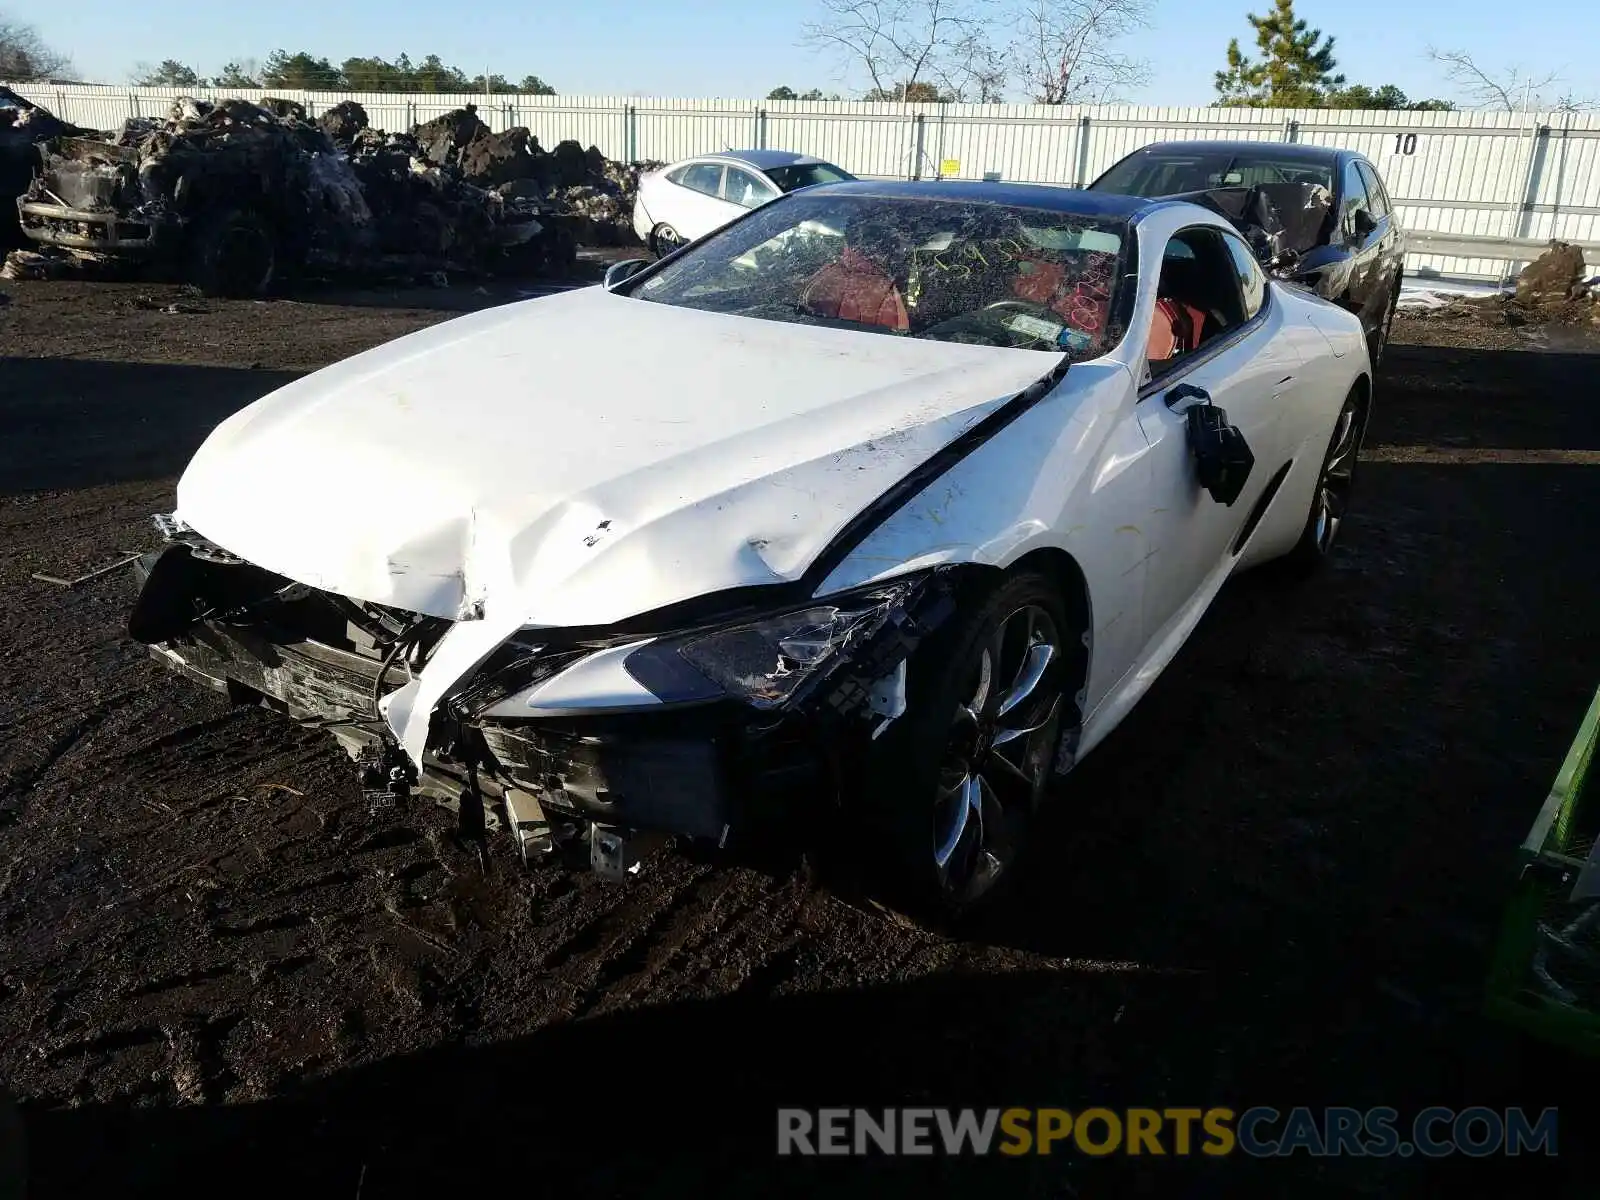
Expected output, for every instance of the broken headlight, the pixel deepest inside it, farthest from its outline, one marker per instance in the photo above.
(762, 662)
(516, 666)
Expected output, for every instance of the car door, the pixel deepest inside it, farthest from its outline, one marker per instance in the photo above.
(1242, 365)
(698, 206)
(1363, 237)
(746, 189)
(675, 202)
(1389, 259)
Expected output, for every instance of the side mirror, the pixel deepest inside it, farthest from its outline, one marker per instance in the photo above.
(1363, 223)
(627, 269)
(1222, 456)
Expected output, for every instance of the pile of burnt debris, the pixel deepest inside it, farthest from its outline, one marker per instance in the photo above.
(24, 127)
(235, 195)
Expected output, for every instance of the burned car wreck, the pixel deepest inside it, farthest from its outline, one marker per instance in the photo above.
(234, 195)
(24, 127)
(869, 533)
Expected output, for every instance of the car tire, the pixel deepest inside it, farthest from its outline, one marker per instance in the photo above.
(664, 239)
(952, 785)
(1330, 500)
(233, 252)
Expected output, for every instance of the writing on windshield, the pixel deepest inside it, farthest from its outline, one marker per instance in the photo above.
(986, 274)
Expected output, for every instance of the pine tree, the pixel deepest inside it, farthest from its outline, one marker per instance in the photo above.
(1295, 69)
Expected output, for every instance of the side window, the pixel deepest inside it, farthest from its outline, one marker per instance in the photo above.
(750, 191)
(1377, 198)
(703, 177)
(1355, 198)
(1252, 283)
(1197, 298)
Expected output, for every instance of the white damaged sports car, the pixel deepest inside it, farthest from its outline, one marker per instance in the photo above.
(850, 524)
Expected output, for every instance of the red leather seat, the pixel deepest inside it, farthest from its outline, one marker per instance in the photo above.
(856, 289)
(1080, 299)
(1175, 328)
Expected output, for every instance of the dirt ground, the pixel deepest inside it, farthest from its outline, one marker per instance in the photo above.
(1505, 323)
(1277, 883)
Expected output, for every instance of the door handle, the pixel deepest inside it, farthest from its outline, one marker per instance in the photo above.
(1186, 391)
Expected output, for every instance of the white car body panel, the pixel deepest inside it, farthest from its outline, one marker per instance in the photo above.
(1104, 475)
(1065, 474)
(477, 471)
(488, 472)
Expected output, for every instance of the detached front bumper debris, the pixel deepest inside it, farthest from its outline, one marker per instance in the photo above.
(717, 773)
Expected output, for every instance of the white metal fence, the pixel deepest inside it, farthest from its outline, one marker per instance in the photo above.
(1494, 176)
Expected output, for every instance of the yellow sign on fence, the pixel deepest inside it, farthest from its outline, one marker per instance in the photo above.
(950, 166)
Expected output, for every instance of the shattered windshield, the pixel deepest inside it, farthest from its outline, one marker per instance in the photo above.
(950, 271)
(1196, 171)
(801, 175)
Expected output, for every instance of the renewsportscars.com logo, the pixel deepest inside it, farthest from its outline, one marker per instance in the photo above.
(1258, 1132)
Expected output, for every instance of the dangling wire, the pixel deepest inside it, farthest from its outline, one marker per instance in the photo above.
(405, 638)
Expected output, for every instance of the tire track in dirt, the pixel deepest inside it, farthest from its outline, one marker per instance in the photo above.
(580, 962)
(183, 980)
(58, 749)
(678, 929)
(184, 734)
(755, 930)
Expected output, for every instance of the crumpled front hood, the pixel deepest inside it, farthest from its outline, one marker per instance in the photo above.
(584, 457)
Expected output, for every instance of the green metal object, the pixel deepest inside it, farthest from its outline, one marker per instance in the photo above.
(1542, 912)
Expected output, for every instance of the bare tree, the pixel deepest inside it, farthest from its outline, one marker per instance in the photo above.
(1065, 49)
(1508, 90)
(1570, 101)
(24, 57)
(907, 47)
(1061, 51)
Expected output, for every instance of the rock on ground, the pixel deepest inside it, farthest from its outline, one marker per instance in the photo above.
(1557, 274)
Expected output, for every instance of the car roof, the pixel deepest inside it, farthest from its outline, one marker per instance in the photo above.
(1282, 151)
(1050, 197)
(761, 160)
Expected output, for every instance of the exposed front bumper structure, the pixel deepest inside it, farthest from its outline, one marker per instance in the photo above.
(716, 773)
(95, 230)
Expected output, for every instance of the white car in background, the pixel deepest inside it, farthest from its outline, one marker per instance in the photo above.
(687, 200)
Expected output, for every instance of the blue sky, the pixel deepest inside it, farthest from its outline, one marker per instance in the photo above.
(742, 48)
